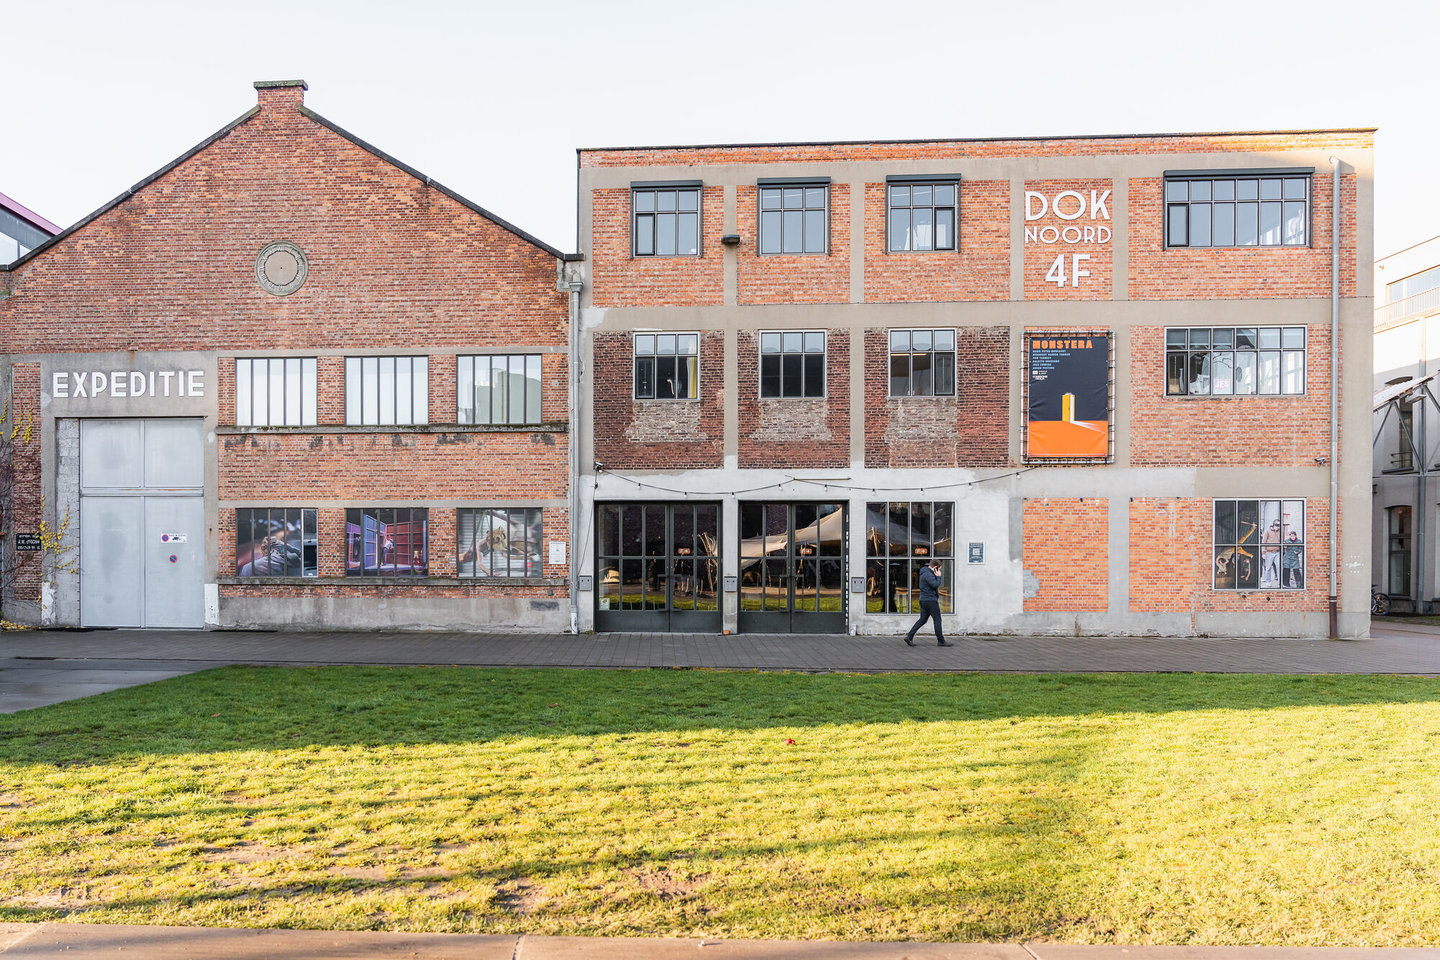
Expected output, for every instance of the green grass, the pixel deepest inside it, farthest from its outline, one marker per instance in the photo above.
(1135, 809)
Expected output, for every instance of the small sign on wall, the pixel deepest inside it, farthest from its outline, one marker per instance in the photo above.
(28, 543)
(732, 584)
(977, 553)
(857, 584)
(557, 551)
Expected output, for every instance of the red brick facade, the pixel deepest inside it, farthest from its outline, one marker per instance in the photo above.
(795, 433)
(1067, 553)
(622, 280)
(657, 434)
(979, 270)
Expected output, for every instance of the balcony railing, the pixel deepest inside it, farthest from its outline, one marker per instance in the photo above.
(1426, 301)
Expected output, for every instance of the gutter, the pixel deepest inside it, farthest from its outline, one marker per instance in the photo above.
(1334, 387)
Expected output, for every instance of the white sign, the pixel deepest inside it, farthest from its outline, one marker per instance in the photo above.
(123, 384)
(557, 551)
(1068, 205)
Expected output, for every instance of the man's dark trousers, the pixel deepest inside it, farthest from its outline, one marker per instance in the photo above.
(928, 609)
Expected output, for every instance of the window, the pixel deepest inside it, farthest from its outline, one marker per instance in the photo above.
(921, 216)
(499, 542)
(1259, 545)
(276, 542)
(792, 364)
(1241, 210)
(1234, 361)
(499, 390)
(794, 218)
(275, 392)
(1404, 458)
(666, 366)
(922, 363)
(1397, 529)
(387, 542)
(900, 538)
(667, 220)
(387, 390)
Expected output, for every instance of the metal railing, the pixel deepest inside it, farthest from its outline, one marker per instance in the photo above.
(1426, 301)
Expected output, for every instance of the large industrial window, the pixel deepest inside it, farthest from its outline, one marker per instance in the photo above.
(387, 542)
(792, 364)
(387, 390)
(1237, 210)
(795, 218)
(667, 366)
(667, 221)
(276, 542)
(500, 389)
(1259, 545)
(499, 542)
(922, 363)
(1234, 361)
(275, 392)
(1397, 543)
(921, 216)
(900, 538)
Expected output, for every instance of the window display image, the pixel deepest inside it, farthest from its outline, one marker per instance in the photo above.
(1259, 545)
(387, 542)
(900, 539)
(1067, 396)
(499, 543)
(276, 542)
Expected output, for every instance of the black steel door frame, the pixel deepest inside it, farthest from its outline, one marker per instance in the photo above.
(647, 588)
(802, 590)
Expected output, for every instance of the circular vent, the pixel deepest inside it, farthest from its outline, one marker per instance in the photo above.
(281, 268)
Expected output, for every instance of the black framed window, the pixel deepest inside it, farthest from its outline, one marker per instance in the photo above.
(792, 364)
(387, 390)
(276, 542)
(900, 539)
(499, 542)
(666, 221)
(795, 218)
(1398, 533)
(387, 542)
(1234, 361)
(1259, 545)
(1250, 210)
(499, 389)
(921, 216)
(922, 363)
(275, 391)
(667, 366)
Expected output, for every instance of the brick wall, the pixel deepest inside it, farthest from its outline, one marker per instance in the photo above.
(811, 278)
(20, 504)
(795, 433)
(979, 270)
(1067, 550)
(971, 429)
(1080, 231)
(622, 280)
(657, 434)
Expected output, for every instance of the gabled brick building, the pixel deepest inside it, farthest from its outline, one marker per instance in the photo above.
(1092, 374)
(289, 380)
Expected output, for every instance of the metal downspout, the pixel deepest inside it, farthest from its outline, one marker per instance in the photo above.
(573, 442)
(1421, 515)
(1334, 388)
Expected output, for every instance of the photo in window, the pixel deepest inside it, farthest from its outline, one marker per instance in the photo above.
(276, 542)
(387, 542)
(499, 542)
(1259, 545)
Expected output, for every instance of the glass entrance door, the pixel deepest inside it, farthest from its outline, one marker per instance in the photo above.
(792, 567)
(658, 567)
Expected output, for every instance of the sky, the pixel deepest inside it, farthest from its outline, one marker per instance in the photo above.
(492, 99)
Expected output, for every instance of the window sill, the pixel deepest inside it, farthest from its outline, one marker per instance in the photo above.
(397, 581)
(433, 428)
(1234, 396)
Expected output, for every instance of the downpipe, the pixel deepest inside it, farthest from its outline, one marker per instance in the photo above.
(1334, 388)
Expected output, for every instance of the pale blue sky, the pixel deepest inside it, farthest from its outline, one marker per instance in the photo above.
(492, 99)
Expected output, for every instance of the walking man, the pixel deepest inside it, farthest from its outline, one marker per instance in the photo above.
(929, 604)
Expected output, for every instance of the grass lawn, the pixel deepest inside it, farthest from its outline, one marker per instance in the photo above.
(1117, 808)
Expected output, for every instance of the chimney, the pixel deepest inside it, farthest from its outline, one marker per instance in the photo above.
(281, 95)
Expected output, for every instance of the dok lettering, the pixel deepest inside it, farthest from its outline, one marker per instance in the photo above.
(123, 384)
(1068, 205)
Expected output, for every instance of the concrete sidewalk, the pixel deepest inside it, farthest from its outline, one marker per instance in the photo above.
(78, 940)
(42, 667)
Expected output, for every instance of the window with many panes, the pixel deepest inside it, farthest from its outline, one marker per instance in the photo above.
(795, 218)
(922, 363)
(1237, 210)
(387, 390)
(275, 392)
(499, 389)
(1234, 361)
(666, 220)
(900, 539)
(276, 542)
(1259, 545)
(387, 542)
(921, 215)
(667, 366)
(1397, 551)
(792, 364)
(499, 542)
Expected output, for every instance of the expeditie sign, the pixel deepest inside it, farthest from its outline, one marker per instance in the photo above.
(1068, 401)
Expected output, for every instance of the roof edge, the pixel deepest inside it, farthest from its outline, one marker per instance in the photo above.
(29, 216)
(142, 184)
(468, 204)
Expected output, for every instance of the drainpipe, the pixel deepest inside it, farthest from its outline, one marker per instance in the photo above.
(1334, 387)
(573, 442)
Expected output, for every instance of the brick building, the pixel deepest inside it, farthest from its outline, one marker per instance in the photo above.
(288, 379)
(1093, 375)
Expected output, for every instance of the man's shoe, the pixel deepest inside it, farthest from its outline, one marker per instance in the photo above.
(909, 642)
(944, 643)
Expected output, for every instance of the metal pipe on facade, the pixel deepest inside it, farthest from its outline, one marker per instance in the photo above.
(1334, 387)
(572, 435)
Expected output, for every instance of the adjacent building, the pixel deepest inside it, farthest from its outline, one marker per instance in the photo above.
(1099, 377)
(289, 380)
(21, 230)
